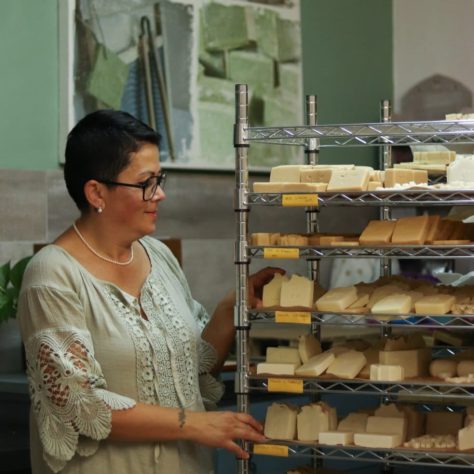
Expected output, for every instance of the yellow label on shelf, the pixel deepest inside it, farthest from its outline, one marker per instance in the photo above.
(275, 252)
(293, 200)
(271, 450)
(285, 385)
(296, 317)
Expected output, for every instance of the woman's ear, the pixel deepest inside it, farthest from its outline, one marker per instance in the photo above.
(94, 193)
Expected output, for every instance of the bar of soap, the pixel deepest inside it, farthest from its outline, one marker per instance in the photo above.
(316, 175)
(272, 290)
(308, 346)
(398, 303)
(316, 365)
(283, 355)
(410, 230)
(433, 223)
(377, 440)
(297, 291)
(347, 365)
(381, 292)
(435, 305)
(349, 180)
(377, 232)
(280, 421)
(287, 173)
(267, 187)
(373, 185)
(465, 438)
(337, 299)
(388, 373)
(314, 418)
(276, 368)
(336, 437)
(415, 362)
(354, 422)
(394, 425)
(394, 176)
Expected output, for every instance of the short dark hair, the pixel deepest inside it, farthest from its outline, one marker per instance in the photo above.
(99, 147)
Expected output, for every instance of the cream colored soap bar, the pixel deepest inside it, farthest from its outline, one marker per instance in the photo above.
(388, 373)
(466, 438)
(395, 425)
(435, 305)
(377, 232)
(287, 173)
(337, 299)
(373, 185)
(398, 303)
(280, 421)
(443, 423)
(394, 176)
(415, 362)
(410, 230)
(314, 418)
(272, 291)
(349, 180)
(308, 346)
(283, 355)
(265, 187)
(354, 422)
(347, 365)
(316, 365)
(336, 437)
(316, 175)
(298, 291)
(377, 440)
(276, 368)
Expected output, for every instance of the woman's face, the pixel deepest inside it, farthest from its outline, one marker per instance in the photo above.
(125, 205)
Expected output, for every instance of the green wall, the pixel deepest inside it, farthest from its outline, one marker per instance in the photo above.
(347, 63)
(29, 84)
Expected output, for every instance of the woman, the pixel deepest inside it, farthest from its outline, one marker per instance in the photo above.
(118, 367)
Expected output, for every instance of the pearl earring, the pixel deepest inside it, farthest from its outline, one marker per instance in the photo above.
(99, 210)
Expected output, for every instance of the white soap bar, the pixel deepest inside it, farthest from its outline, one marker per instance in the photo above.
(377, 440)
(349, 180)
(354, 422)
(387, 425)
(337, 299)
(388, 373)
(461, 171)
(280, 421)
(272, 291)
(276, 369)
(466, 438)
(283, 355)
(435, 304)
(415, 362)
(443, 423)
(347, 365)
(399, 303)
(298, 291)
(308, 346)
(316, 365)
(312, 419)
(336, 437)
(287, 173)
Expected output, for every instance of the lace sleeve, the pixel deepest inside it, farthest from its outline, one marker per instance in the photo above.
(68, 393)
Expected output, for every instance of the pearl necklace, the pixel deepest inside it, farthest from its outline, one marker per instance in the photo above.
(97, 254)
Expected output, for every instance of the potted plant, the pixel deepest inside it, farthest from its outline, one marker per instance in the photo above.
(11, 277)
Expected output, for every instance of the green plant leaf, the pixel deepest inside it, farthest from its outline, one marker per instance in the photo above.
(16, 274)
(6, 306)
(4, 275)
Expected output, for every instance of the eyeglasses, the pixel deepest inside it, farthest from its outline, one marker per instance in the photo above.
(148, 187)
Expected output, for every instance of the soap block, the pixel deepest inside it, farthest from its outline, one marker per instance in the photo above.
(433, 223)
(246, 67)
(276, 368)
(289, 187)
(420, 177)
(298, 291)
(272, 290)
(377, 232)
(315, 366)
(333, 438)
(378, 440)
(337, 299)
(443, 423)
(349, 180)
(308, 347)
(312, 419)
(316, 175)
(283, 355)
(354, 423)
(347, 365)
(435, 305)
(387, 373)
(466, 438)
(410, 230)
(287, 173)
(261, 239)
(224, 27)
(395, 425)
(398, 303)
(394, 176)
(382, 292)
(280, 421)
(415, 362)
(374, 185)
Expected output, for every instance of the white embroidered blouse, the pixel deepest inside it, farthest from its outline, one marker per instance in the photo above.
(89, 351)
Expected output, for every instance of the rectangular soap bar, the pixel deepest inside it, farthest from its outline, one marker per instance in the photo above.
(272, 291)
(280, 421)
(336, 437)
(435, 305)
(388, 373)
(377, 232)
(415, 362)
(433, 223)
(261, 238)
(308, 346)
(377, 440)
(395, 176)
(353, 422)
(337, 299)
(312, 419)
(316, 365)
(465, 438)
(347, 365)
(276, 368)
(279, 187)
(349, 180)
(283, 355)
(410, 230)
(387, 425)
(398, 303)
(316, 175)
(287, 173)
(297, 291)
(373, 185)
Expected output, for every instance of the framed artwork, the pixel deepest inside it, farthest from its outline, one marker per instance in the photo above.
(174, 64)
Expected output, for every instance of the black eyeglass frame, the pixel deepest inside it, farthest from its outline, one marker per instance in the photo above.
(160, 180)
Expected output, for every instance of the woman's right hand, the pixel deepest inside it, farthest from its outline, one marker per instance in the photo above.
(220, 430)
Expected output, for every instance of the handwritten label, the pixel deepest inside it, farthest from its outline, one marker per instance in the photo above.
(285, 385)
(295, 200)
(275, 252)
(296, 317)
(271, 450)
